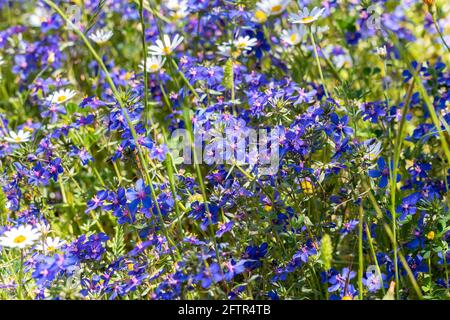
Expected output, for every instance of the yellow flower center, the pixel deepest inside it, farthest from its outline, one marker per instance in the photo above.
(167, 50)
(430, 235)
(130, 266)
(51, 57)
(267, 208)
(276, 8)
(236, 53)
(307, 19)
(195, 197)
(153, 67)
(128, 75)
(19, 239)
(62, 98)
(260, 16)
(293, 38)
(347, 298)
(18, 139)
(307, 186)
(51, 248)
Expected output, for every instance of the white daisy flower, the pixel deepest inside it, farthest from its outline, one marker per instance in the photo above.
(43, 228)
(19, 137)
(179, 14)
(293, 36)
(19, 237)
(101, 36)
(176, 5)
(154, 64)
(272, 7)
(381, 51)
(2, 61)
(39, 15)
(165, 47)
(307, 17)
(225, 49)
(51, 244)
(245, 43)
(61, 96)
(235, 48)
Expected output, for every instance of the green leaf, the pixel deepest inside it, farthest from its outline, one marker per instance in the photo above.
(228, 75)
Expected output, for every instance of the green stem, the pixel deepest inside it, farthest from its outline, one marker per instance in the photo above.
(147, 112)
(186, 81)
(20, 280)
(360, 252)
(389, 233)
(311, 36)
(438, 29)
(393, 184)
(374, 257)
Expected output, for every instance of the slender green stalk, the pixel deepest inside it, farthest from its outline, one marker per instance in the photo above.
(147, 112)
(389, 232)
(435, 119)
(406, 55)
(393, 180)
(438, 29)
(169, 167)
(20, 279)
(311, 36)
(186, 81)
(444, 254)
(374, 256)
(360, 251)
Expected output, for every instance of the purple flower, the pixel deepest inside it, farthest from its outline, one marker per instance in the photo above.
(224, 228)
(96, 201)
(54, 168)
(383, 172)
(159, 152)
(340, 280)
(209, 275)
(349, 226)
(38, 175)
(373, 281)
(140, 195)
(338, 127)
(408, 206)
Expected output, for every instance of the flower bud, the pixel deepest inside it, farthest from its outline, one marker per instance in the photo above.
(428, 2)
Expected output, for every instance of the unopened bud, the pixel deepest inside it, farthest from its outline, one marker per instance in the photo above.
(429, 3)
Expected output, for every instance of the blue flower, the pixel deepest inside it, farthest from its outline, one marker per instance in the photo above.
(408, 206)
(96, 201)
(349, 227)
(338, 127)
(209, 275)
(38, 175)
(200, 212)
(140, 195)
(54, 168)
(253, 255)
(373, 280)
(383, 172)
(159, 152)
(340, 281)
(233, 268)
